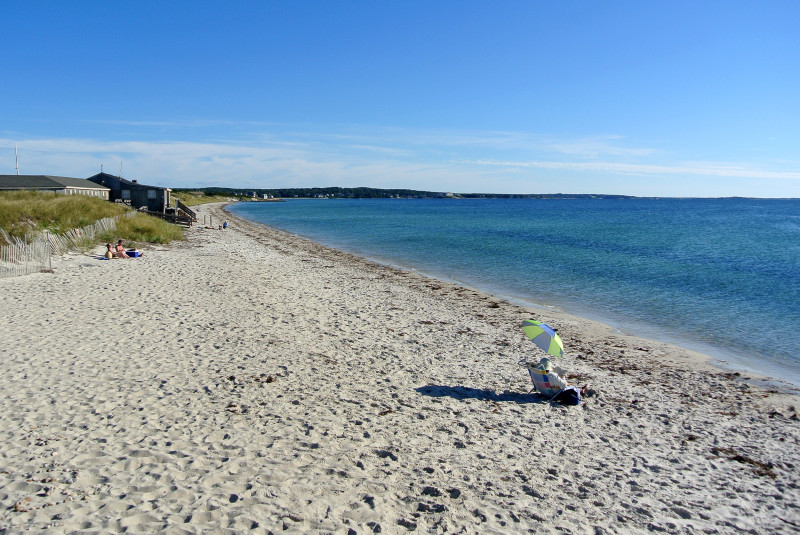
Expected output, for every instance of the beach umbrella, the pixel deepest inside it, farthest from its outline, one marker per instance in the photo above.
(543, 336)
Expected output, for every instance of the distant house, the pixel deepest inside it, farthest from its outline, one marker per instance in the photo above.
(57, 184)
(152, 198)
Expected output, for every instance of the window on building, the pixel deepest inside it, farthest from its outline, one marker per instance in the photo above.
(151, 194)
(126, 195)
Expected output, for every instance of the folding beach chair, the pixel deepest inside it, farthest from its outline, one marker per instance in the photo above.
(542, 385)
(541, 381)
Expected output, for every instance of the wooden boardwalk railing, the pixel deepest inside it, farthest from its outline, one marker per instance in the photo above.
(182, 220)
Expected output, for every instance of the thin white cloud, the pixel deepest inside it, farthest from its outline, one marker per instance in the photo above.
(598, 146)
(720, 170)
(190, 123)
(426, 160)
(179, 164)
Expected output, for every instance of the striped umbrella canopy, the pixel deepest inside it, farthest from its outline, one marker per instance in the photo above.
(543, 336)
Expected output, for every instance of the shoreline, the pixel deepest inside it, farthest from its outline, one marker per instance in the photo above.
(720, 359)
(251, 381)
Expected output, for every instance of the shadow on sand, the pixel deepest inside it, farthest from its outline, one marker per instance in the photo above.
(465, 392)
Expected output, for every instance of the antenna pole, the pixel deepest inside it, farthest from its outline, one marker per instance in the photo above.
(16, 158)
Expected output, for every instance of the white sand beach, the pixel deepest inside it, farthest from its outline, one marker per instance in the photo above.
(249, 381)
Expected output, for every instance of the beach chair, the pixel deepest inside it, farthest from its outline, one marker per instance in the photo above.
(542, 384)
(541, 381)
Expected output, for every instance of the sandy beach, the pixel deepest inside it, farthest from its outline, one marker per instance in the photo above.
(252, 381)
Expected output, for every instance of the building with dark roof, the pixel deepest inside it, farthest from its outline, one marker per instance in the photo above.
(153, 198)
(57, 184)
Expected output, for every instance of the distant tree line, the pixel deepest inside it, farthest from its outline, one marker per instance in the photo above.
(376, 193)
(352, 193)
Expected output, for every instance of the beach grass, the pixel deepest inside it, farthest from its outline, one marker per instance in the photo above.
(31, 212)
(194, 199)
(28, 213)
(142, 228)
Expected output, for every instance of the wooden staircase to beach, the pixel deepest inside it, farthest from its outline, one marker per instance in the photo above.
(187, 212)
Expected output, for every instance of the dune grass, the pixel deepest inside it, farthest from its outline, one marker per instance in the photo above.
(143, 228)
(193, 199)
(29, 213)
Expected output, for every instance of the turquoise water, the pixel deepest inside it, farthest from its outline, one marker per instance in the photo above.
(721, 276)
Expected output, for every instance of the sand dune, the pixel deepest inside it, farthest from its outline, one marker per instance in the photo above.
(251, 381)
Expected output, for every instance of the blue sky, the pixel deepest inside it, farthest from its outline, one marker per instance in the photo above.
(646, 98)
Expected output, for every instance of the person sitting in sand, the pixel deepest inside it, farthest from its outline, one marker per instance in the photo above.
(120, 251)
(547, 381)
(109, 252)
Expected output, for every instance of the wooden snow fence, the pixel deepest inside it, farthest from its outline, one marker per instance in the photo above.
(23, 258)
(34, 255)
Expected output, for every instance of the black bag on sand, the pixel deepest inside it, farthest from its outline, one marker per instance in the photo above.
(568, 396)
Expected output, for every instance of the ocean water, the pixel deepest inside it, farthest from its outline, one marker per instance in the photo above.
(721, 276)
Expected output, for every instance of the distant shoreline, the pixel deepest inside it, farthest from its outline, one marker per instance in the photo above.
(394, 193)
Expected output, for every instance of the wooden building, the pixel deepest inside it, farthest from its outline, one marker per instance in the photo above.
(152, 198)
(57, 184)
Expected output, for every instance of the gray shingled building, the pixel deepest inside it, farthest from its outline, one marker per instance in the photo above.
(57, 184)
(154, 198)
